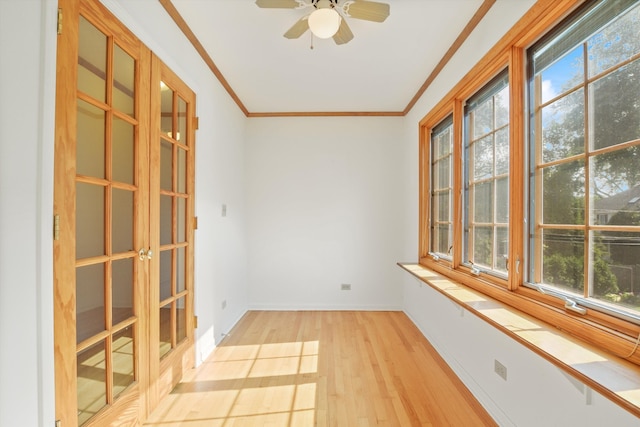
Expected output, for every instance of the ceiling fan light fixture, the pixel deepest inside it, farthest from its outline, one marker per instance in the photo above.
(324, 23)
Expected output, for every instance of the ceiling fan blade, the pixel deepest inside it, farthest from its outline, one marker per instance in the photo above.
(298, 29)
(367, 10)
(344, 34)
(279, 4)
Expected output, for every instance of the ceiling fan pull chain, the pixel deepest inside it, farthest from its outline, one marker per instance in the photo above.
(311, 47)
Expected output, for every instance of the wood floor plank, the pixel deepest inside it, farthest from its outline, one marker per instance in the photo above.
(314, 368)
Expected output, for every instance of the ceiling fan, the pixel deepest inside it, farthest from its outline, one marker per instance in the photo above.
(325, 21)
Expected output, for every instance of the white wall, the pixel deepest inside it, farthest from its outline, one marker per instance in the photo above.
(536, 392)
(324, 209)
(27, 84)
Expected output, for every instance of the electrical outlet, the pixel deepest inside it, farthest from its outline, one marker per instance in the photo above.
(345, 287)
(224, 304)
(500, 369)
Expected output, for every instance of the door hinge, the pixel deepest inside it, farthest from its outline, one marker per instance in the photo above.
(196, 123)
(195, 322)
(59, 21)
(195, 222)
(56, 227)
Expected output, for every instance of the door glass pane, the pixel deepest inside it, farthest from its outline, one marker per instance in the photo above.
(92, 60)
(123, 365)
(166, 265)
(182, 170)
(123, 80)
(123, 151)
(182, 120)
(181, 319)
(92, 381)
(90, 140)
(89, 220)
(166, 223)
(165, 329)
(166, 163)
(90, 308)
(122, 290)
(181, 219)
(122, 220)
(166, 110)
(180, 270)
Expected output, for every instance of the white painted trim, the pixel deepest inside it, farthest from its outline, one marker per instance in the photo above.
(324, 307)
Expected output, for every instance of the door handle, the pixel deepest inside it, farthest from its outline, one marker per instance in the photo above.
(142, 254)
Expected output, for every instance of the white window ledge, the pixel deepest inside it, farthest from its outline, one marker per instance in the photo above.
(613, 377)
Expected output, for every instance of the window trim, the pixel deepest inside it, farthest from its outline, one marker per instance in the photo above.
(605, 331)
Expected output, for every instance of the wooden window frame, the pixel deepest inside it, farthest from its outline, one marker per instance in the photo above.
(616, 336)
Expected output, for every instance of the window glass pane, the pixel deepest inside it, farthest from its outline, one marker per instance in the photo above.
(616, 267)
(563, 75)
(563, 193)
(123, 360)
(616, 110)
(502, 248)
(123, 151)
(165, 330)
(123, 80)
(563, 127)
(483, 158)
(92, 381)
(166, 220)
(501, 100)
(502, 200)
(483, 246)
(443, 238)
(89, 220)
(122, 290)
(615, 188)
(90, 140)
(483, 119)
(181, 319)
(483, 202)
(502, 151)
(442, 200)
(90, 305)
(166, 267)
(122, 218)
(615, 43)
(563, 259)
(92, 60)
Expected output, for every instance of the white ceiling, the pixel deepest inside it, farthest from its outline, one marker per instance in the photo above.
(380, 70)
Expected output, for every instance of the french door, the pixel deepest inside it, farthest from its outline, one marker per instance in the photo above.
(123, 204)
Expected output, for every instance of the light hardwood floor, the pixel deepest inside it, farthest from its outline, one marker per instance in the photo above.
(324, 368)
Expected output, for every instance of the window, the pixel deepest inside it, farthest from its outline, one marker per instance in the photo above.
(530, 187)
(486, 181)
(442, 186)
(585, 159)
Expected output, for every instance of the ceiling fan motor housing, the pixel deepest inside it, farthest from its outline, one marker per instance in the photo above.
(323, 4)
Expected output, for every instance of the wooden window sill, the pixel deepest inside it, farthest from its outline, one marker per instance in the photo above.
(613, 377)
